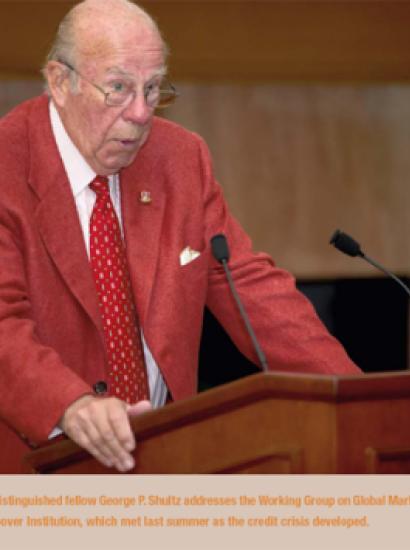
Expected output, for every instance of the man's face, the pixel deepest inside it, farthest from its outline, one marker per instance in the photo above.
(110, 137)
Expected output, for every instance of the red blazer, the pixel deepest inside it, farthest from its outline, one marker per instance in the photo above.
(51, 338)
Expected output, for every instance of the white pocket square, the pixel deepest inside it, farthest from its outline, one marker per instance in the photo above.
(187, 255)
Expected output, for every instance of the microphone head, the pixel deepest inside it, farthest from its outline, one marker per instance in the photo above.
(220, 248)
(345, 243)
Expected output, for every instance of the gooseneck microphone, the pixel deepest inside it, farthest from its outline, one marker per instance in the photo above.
(220, 252)
(345, 243)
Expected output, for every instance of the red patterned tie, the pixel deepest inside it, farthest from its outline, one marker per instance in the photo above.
(127, 377)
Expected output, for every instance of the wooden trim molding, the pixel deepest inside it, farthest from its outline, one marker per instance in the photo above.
(225, 40)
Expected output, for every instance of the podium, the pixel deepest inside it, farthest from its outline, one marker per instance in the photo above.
(271, 423)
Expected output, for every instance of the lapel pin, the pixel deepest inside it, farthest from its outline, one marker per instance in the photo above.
(145, 197)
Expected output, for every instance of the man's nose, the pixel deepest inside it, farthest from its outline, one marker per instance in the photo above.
(137, 111)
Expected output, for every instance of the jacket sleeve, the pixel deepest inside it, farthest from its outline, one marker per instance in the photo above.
(287, 327)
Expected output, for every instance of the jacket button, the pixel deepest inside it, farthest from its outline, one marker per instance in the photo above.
(100, 387)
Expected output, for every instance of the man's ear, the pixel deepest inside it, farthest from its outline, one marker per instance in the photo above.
(57, 76)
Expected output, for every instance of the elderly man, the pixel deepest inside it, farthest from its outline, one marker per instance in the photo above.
(105, 222)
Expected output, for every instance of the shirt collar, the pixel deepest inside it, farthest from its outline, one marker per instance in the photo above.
(79, 173)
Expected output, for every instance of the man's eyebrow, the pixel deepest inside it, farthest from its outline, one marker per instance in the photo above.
(117, 70)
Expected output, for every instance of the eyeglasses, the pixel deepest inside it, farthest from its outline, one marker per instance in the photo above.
(157, 94)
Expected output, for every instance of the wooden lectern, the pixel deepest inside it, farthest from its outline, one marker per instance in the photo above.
(266, 424)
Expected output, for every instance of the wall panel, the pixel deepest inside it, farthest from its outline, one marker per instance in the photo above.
(296, 162)
(337, 40)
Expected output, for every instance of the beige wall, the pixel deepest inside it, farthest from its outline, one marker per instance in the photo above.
(296, 162)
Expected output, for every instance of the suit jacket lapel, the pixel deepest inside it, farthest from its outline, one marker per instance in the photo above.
(60, 229)
(57, 216)
(142, 227)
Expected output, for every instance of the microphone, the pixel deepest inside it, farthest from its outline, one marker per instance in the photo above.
(345, 243)
(220, 251)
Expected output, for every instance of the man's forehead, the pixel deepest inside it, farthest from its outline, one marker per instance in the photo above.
(134, 37)
(115, 57)
(121, 71)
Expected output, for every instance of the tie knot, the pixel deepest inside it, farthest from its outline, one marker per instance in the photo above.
(100, 185)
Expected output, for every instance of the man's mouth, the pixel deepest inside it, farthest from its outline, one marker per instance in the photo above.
(128, 142)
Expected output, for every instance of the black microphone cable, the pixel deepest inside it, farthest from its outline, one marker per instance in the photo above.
(220, 252)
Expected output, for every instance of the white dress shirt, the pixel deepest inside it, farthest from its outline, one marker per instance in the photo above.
(80, 175)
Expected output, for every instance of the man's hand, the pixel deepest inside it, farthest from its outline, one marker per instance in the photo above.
(102, 427)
